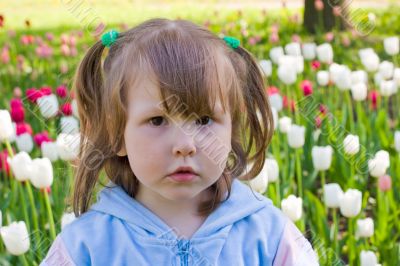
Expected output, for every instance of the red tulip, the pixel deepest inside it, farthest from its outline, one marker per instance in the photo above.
(306, 87)
(33, 94)
(315, 64)
(66, 109)
(22, 128)
(319, 5)
(373, 96)
(17, 114)
(62, 91)
(272, 90)
(14, 103)
(41, 137)
(4, 166)
(45, 91)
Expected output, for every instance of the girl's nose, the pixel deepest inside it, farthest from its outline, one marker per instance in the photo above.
(184, 144)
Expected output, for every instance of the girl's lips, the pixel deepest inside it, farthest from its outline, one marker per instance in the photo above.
(182, 177)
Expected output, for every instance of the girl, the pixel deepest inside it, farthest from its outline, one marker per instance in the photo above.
(173, 116)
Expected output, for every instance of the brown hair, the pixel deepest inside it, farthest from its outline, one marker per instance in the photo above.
(185, 60)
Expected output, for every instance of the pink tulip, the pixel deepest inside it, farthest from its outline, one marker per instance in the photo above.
(329, 36)
(17, 92)
(5, 55)
(272, 90)
(385, 183)
(336, 10)
(49, 36)
(274, 38)
(65, 50)
(319, 5)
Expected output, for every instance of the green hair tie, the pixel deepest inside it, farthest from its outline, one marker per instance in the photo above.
(232, 42)
(108, 38)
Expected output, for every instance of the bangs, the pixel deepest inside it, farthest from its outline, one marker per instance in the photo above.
(192, 73)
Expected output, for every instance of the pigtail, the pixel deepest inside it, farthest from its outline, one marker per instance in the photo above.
(88, 86)
(258, 119)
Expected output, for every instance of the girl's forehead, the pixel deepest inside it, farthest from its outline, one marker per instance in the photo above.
(145, 96)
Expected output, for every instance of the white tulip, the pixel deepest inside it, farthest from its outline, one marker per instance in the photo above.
(6, 127)
(266, 67)
(276, 101)
(379, 164)
(386, 69)
(275, 117)
(365, 227)
(396, 76)
(370, 61)
(323, 78)
(325, 53)
(260, 182)
(359, 76)
(378, 79)
(275, 54)
(309, 51)
(299, 64)
(67, 218)
(334, 69)
(332, 195)
(42, 173)
(351, 144)
(24, 142)
(68, 146)
(364, 52)
(74, 106)
(388, 87)
(284, 124)
(16, 238)
(350, 203)
(368, 258)
(292, 207)
(296, 136)
(391, 45)
(21, 166)
(48, 105)
(49, 150)
(322, 157)
(69, 125)
(359, 91)
(397, 141)
(272, 169)
(293, 49)
(287, 74)
(343, 78)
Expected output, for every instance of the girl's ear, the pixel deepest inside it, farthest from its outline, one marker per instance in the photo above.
(122, 151)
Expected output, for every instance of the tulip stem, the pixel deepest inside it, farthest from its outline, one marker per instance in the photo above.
(50, 214)
(350, 241)
(9, 149)
(23, 204)
(335, 232)
(33, 206)
(298, 173)
(23, 259)
(323, 189)
(351, 114)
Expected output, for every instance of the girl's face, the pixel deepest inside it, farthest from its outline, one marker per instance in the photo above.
(157, 144)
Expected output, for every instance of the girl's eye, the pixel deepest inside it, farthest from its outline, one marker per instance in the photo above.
(203, 121)
(157, 121)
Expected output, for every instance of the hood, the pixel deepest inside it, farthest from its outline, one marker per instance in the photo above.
(114, 201)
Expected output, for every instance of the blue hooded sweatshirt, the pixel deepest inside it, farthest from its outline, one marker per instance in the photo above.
(246, 229)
